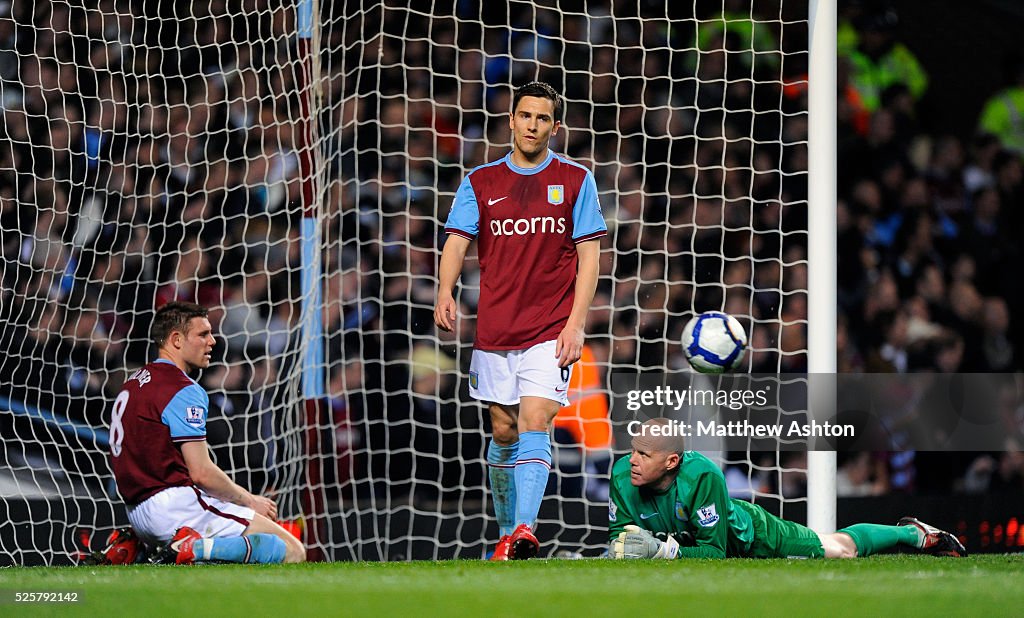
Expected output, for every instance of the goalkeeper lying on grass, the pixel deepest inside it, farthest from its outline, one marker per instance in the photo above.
(667, 502)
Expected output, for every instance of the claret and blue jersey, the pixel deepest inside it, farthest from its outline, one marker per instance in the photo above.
(527, 222)
(158, 407)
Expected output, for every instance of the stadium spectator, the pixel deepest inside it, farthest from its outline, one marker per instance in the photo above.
(862, 474)
(35, 368)
(245, 324)
(979, 171)
(1003, 114)
(997, 350)
(997, 472)
(746, 40)
(880, 60)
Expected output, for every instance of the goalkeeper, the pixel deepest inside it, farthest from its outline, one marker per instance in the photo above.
(667, 502)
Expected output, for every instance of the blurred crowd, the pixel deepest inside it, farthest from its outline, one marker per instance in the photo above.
(159, 157)
(929, 229)
(147, 156)
(697, 156)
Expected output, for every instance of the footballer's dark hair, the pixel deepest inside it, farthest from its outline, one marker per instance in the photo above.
(174, 316)
(541, 90)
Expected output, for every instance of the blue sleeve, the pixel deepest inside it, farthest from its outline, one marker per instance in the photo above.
(185, 414)
(587, 220)
(464, 218)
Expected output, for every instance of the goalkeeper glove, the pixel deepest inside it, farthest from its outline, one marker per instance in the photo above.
(634, 542)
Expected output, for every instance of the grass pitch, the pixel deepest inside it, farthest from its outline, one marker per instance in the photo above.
(892, 585)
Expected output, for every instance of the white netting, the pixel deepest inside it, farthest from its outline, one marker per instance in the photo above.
(158, 155)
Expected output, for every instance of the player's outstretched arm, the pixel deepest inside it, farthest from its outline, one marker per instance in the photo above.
(214, 481)
(569, 347)
(452, 256)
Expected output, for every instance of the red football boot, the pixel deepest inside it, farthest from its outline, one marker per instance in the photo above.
(181, 545)
(523, 545)
(501, 551)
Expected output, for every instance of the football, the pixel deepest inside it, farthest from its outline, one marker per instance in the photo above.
(714, 342)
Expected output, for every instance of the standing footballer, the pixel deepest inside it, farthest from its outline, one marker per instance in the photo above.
(537, 221)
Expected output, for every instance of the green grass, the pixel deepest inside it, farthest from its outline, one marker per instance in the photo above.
(991, 585)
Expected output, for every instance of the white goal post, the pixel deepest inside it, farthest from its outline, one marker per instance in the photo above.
(289, 163)
(822, 268)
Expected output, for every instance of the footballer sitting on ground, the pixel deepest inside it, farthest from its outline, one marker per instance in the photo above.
(667, 502)
(174, 492)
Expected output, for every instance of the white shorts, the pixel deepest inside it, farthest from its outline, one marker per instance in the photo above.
(504, 377)
(158, 517)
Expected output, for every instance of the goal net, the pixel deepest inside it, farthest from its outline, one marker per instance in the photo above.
(291, 168)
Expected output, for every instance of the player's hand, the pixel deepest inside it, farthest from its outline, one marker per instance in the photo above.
(634, 543)
(569, 347)
(445, 313)
(264, 506)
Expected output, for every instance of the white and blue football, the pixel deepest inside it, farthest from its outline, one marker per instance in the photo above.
(714, 342)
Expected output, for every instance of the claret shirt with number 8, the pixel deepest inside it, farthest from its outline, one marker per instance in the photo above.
(158, 408)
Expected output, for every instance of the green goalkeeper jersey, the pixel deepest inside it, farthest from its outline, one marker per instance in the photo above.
(697, 503)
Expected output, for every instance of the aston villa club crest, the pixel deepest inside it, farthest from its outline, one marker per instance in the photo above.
(556, 194)
(474, 379)
(680, 511)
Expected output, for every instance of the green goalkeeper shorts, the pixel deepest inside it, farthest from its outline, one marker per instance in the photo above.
(778, 538)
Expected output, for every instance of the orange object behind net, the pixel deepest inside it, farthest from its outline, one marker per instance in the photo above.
(586, 416)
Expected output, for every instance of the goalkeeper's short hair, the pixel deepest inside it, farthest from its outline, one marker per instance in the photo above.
(659, 441)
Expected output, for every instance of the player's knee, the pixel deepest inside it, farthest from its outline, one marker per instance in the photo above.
(504, 434)
(503, 426)
(842, 552)
(536, 414)
(839, 545)
(535, 423)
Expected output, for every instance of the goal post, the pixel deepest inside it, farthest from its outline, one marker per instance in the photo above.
(314, 367)
(822, 249)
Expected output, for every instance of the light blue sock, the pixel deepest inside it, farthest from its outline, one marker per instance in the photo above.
(532, 467)
(501, 465)
(251, 549)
